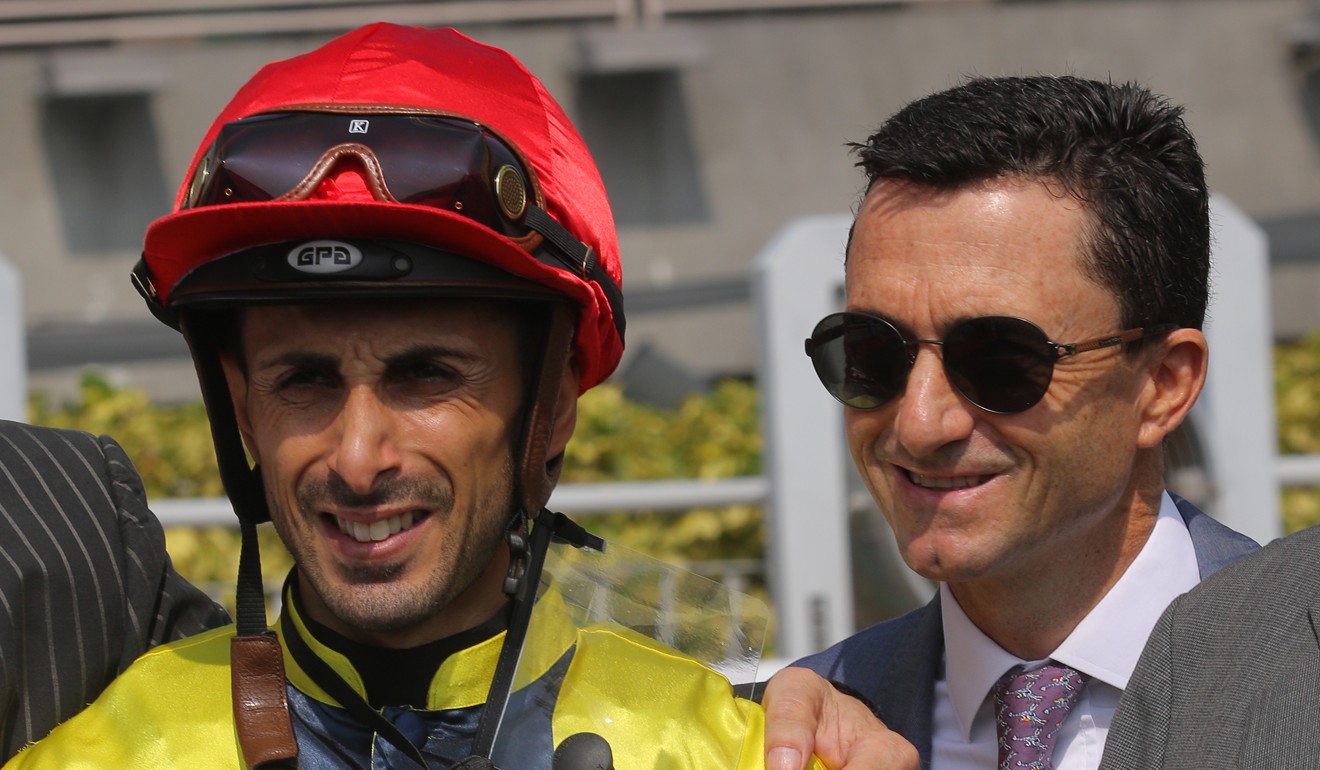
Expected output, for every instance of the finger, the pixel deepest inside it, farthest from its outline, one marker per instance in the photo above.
(794, 700)
(806, 715)
(850, 737)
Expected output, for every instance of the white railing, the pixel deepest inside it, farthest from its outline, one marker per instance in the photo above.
(579, 499)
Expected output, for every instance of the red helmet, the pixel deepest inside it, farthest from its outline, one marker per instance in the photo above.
(392, 162)
(426, 139)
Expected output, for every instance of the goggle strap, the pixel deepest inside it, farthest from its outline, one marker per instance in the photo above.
(572, 253)
(575, 255)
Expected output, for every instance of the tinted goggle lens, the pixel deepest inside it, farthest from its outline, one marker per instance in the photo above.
(430, 160)
(1000, 364)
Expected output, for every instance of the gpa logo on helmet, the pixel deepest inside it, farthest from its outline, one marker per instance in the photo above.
(321, 257)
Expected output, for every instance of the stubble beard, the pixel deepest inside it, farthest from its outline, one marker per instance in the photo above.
(370, 596)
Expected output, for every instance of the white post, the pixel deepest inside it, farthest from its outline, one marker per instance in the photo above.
(796, 280)
(1235, 415)
(13, 349)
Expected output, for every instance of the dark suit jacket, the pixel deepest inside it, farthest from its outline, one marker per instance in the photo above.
(1231, 675)
(895, 664)
(85, 583)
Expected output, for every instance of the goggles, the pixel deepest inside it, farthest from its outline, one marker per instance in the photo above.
(430, 159)
(1002, 365)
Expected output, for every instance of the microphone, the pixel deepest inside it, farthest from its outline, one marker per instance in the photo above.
(583, 751)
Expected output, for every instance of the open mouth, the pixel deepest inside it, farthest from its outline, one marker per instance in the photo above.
(945, 483)
(375, 531)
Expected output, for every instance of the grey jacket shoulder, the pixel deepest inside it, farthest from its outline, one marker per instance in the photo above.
(1231, 675)
(85, 582)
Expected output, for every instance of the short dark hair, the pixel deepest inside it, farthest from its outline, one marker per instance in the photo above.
(1120, 149)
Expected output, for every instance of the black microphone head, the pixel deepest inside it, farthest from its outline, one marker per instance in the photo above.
(583, 751)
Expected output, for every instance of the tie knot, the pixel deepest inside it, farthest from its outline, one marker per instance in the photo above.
(1030, 707)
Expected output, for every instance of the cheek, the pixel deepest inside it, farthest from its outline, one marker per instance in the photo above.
(1085, 455)
(457, 439)
(864, 429)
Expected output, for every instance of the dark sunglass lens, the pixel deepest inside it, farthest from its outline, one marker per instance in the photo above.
(861, 360)
(1000, 364)
(431, 161)
(257, 159)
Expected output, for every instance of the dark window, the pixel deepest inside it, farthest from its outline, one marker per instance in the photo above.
(106, 168)
(636, 125)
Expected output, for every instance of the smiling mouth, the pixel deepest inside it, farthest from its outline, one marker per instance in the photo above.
(946, 482)
(375, 531)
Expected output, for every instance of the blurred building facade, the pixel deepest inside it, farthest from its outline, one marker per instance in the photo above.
(714, 122)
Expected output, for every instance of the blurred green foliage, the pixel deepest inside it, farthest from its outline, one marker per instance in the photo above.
(717, 435)
(1297, 401)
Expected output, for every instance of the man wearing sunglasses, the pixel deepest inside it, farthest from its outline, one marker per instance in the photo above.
(1026, 281)
(396, 269)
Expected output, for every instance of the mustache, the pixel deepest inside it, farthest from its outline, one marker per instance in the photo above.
(334, 492)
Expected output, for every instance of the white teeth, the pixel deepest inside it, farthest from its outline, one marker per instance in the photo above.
(378, 530)
(946, 482)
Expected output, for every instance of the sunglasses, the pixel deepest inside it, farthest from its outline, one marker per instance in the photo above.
(1002, 365)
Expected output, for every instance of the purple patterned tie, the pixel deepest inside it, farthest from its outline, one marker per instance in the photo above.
(1030, 707)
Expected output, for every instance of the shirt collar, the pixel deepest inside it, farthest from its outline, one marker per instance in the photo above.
(1104, 645)
(463, 679)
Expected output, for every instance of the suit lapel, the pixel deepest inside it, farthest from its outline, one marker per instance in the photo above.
(905, 692)
(1216, 545)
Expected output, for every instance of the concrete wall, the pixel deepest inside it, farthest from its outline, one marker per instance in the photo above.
(766, 106)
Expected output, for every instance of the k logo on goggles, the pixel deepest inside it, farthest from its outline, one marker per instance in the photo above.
(1001, 364)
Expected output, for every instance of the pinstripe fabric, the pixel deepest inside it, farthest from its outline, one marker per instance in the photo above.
(85, 583)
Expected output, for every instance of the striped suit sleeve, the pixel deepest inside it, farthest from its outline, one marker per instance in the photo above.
(85, 583)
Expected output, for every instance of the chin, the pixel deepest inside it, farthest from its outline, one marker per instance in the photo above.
(944, 566)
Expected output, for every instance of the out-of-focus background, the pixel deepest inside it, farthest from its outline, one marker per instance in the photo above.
(718, 125)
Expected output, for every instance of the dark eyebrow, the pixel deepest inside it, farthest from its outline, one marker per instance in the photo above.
(302, 359)
(428, 352)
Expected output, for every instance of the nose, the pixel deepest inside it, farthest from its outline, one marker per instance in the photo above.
(931, 414)
(365, 448)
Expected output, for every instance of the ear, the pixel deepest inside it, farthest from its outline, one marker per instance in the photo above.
(1176, 374)
(565, 413)
(238, 386)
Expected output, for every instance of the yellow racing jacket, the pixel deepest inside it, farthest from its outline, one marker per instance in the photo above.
(658, 710)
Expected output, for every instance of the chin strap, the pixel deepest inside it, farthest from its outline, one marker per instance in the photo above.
(524, 583)
(537, 472)
(261, 706)
(256, 661)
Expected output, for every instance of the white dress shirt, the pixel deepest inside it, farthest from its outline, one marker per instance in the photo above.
(1105, 646)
